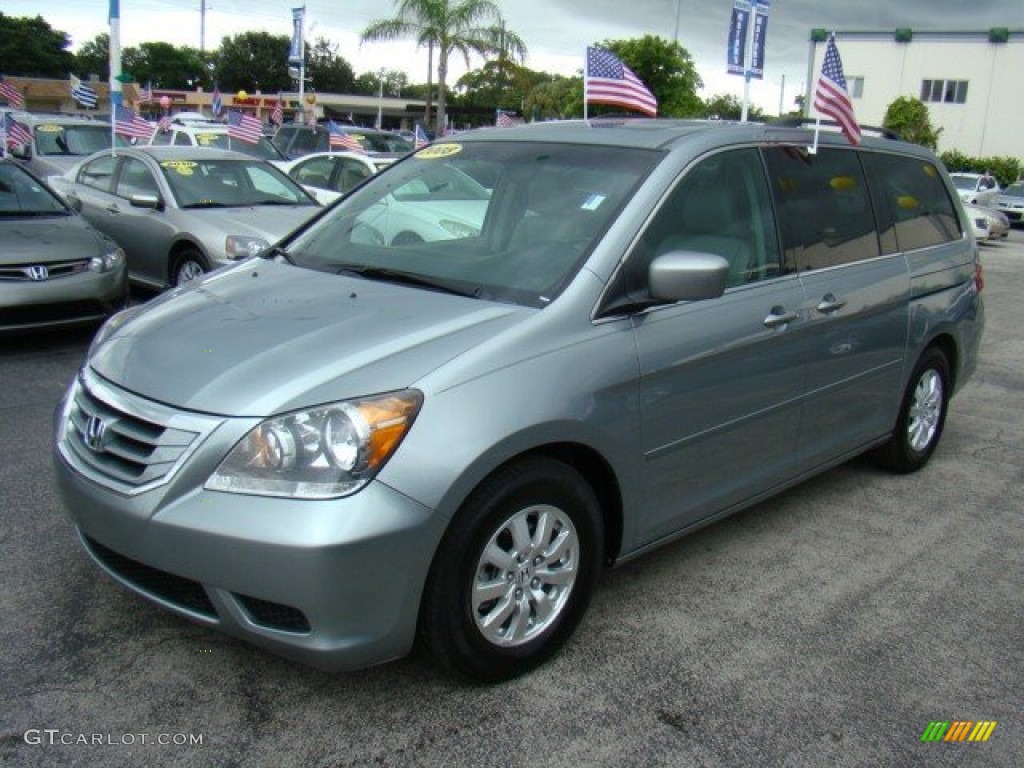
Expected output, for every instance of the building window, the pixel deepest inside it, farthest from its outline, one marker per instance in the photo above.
(948, 91)
(855, 87)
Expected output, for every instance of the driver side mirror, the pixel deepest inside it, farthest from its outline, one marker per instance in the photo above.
(22, 151)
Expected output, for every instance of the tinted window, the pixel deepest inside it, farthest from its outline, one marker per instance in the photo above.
(824, 208)
(722, 207)
(916, 209)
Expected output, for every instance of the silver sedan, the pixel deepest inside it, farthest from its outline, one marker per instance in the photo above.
(179, 212)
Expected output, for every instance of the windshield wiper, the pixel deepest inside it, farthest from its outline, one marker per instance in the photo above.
(210, 204)
(404, 278)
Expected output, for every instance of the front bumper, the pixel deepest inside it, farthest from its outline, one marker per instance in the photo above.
(335, 584)
(78, 298)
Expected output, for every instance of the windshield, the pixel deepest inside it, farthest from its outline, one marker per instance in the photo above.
(1015, 190)
(964, 182)
(56, 139)
(221, 140)
(21, 194)
(518, 237)
(230, 183)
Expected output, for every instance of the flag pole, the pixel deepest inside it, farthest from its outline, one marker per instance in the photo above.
(115, 70)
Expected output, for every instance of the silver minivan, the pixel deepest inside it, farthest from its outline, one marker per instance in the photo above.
(357, 441)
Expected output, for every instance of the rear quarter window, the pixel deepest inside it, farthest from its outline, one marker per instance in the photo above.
(915, 209)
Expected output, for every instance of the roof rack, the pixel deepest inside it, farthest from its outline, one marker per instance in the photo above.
(799, 122)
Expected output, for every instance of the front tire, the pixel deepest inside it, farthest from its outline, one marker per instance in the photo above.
(188, 265)
(922, 416)
(513, 576)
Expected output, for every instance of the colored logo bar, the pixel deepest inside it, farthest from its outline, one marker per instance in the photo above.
(958, 730)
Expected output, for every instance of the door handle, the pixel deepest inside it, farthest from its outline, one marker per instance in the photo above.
(779, 316)
(829, 304)
(112, 208)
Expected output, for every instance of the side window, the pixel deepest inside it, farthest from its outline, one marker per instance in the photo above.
(135, 179)
(350, 173)
(162, 137)
(182, 139)
(915, 206)
(825, 212)
(721, 206)
(315, 172)
(98, 173)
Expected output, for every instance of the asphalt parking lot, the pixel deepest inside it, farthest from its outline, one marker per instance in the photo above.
(827, 627)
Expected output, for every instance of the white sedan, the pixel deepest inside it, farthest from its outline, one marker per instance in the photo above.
(329, 175)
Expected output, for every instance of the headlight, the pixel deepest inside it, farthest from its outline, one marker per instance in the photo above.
(107, 262)
(457, 229)
(243, 246)
(319, 453)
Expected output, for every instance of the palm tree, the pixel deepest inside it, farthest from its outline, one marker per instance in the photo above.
(465, 26)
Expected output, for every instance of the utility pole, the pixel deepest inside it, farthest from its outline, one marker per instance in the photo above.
(202, 26)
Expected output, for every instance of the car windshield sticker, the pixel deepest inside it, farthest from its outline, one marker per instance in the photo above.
(49, 128)
(206, 138)
(593, 202)
(181, 167)
(435, 151)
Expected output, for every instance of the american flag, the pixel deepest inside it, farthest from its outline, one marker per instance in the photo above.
(16, 132)
(164, 123)
(420, 138)
(507, 120)
(609, 81)
(11, 94)
(831, 96)
(277, 116)
(146, 94)
(127, 122)
(217, 106)
(244, 127)
(338, 139)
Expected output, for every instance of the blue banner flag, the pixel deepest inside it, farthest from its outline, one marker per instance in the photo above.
(737, 46)
(295, 51)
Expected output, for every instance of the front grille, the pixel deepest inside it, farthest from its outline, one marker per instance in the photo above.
(124, 442)
(176, 590)
(24, 272)
(274, 615)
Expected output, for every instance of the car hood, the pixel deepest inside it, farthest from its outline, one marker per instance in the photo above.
(271, 222)
(264, 338)
(45, 240)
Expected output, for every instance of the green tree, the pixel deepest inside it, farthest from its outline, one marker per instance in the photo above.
(93, 58)
(910, 119)
(395, 84)
(559, 98)
(32, 48)
(167, 66)
(666, 68)
(329, 71)
(729, 107)
(449, 26)
(253, 60)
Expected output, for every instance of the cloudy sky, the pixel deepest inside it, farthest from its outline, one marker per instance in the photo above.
(556, 32)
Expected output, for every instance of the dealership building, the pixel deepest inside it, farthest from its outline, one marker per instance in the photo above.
(968, 80)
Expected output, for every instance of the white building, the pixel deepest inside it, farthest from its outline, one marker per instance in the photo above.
(970, 81)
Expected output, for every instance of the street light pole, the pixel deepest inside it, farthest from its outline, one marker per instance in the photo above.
(380, 100)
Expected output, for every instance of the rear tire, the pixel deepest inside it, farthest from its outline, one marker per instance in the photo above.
(513, 575)
(922, 416)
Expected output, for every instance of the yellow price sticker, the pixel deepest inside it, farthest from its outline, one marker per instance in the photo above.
(435, 151)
